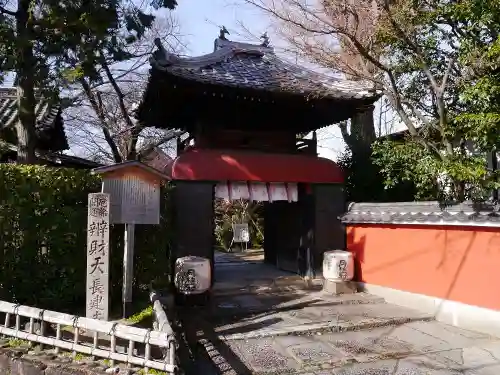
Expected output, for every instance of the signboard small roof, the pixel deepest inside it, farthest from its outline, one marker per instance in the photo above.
(130, 165)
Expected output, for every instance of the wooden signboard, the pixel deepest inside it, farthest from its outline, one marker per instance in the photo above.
(134, 200)
(135, 192)
(97, 306)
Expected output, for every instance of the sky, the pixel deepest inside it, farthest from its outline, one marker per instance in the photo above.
(199, 23)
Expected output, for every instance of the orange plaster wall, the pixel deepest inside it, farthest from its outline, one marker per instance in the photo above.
(456, 263)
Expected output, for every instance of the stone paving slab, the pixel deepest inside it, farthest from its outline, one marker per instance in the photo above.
(263, 356)
(255, 255)
(406, 366)
(409, 349)
(285, 330)
(233, 275)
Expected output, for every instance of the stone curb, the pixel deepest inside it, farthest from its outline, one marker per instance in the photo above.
(208, 350)
(315, 328)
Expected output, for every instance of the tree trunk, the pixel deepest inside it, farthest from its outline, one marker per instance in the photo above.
(361, 134)
(363, 127)
(131, 144)
(25, 126)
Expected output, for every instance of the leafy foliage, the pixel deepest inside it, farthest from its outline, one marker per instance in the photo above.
(436, 62)
(46, 43)
(480, 56)
(446, 61)
(43, 220)
(235, 212)
(434, 179)
(364, 181)
(72, 35)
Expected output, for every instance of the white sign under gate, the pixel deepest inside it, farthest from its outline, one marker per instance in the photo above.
(241, 233)
(97, 306)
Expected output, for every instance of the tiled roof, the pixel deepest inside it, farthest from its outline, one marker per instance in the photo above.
(157, 159)
(428, 213)
(244, 65)
(56, 158)
(49, 122)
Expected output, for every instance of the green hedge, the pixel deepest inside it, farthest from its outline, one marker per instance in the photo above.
(43, 215)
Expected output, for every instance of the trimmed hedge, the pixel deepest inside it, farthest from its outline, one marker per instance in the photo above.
(43, 220)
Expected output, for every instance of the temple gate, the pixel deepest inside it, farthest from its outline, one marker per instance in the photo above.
(246, 112)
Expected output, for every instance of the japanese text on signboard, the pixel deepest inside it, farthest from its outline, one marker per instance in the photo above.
(98, 256)
(241, 233)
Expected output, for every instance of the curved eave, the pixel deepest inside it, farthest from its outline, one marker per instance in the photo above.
(228, 165)
(180, 93)
(326, 93)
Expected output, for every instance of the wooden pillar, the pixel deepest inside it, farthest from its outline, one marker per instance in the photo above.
(270, 241)
(307, 232)
(329, 234)
(194, 221)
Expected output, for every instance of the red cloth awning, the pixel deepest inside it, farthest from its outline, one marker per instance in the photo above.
(228, 165)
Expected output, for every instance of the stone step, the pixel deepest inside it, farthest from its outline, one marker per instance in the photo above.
(278, 284)
(251, 303)
(317, 320)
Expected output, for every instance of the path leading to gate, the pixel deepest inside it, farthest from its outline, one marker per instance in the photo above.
(267, 329)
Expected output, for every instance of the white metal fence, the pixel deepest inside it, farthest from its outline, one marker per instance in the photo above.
(86, 336)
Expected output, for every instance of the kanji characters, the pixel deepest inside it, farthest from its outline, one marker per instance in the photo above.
(97, 256)
(99, 228)
(97, 247)
(96, 266)
(97, 287)
(96, 302)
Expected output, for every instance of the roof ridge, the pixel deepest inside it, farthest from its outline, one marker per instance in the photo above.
(219, 55)
(224, 43)
(427, 213)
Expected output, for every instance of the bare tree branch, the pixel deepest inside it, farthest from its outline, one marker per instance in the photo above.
(340, 35)
(101, 122)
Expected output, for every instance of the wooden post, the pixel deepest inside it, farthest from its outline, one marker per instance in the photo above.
(128, 269)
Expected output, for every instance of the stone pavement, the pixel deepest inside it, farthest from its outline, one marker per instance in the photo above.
(250, 255)
(310, 333)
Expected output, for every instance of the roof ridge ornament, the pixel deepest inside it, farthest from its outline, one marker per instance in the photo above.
(162, 55)
(222, 33)
(265, 40)
(219, 42)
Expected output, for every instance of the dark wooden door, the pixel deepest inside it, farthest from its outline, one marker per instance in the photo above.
(282, 234)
